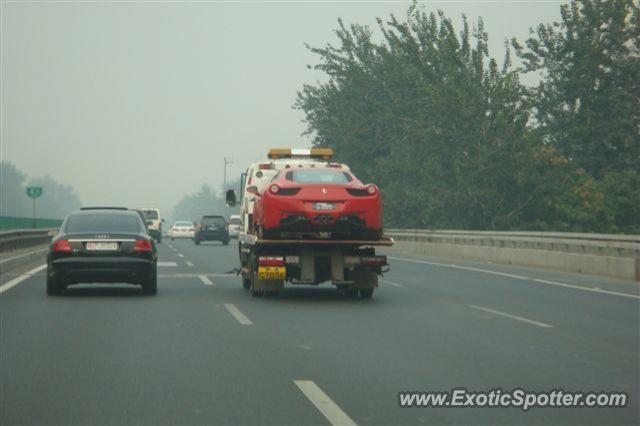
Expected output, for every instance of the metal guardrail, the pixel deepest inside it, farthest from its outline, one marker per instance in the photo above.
(594, 244)
(22, 238)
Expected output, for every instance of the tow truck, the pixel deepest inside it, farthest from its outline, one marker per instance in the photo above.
(267, 264)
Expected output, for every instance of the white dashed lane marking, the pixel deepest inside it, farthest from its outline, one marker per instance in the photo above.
(514, 317)
(323, 403)
(242, 318)
(205, 280)
(391, 283)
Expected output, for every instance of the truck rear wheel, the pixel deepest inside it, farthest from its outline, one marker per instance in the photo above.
(254, 283)
(366, 293)
(351, 292)
(246, 283)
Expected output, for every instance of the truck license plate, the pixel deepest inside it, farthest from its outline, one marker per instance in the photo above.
(272, 272)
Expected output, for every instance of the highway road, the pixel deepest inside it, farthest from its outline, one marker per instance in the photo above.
(204, 352)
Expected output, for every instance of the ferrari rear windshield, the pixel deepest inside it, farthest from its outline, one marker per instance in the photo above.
(98, 223)
(318, 176)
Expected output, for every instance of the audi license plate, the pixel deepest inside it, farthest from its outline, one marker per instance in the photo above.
(272, 272)
(102, 246)
(323, 206)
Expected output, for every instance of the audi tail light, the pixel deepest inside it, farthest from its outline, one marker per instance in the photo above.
(142, 246)
(61, 246)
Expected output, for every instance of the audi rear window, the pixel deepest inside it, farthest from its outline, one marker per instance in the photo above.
(97, 223)
(318, 176)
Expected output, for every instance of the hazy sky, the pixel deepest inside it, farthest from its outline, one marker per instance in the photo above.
(137, 103)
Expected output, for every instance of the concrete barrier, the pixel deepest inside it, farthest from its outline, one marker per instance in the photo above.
(615, 256)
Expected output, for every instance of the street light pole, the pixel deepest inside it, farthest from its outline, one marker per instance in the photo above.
(224, 183)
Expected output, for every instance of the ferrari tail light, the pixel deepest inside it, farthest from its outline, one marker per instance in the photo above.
(61, 246)
(270, 261)
(274, 189)
(142, 246)
(371, 189)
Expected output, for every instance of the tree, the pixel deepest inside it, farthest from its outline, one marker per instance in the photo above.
(433, 119)
(205, 202)
(13, 200)
(57, 200)
(588, 103)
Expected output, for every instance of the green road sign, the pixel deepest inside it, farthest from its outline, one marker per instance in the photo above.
(34, 191)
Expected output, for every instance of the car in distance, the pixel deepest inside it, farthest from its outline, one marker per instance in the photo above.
(212, 228)
(143, 218)
(154, 222)
(182, 229)
(235, 225)
(102, 245)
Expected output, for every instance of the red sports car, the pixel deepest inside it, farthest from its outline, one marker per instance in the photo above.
(326, 202)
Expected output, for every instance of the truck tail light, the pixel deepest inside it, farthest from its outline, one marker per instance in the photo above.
(61, 246)
(142, 246)
(373, 260)
(270, 261)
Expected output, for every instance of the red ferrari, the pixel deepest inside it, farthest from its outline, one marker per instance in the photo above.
(327, 202)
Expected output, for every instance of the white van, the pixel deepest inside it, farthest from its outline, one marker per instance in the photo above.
(154, 222)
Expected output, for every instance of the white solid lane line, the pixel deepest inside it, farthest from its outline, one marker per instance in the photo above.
(515, 317)
(167, 264)
(14, 282)
(189, 263)
(391, 283)
(593, 289)
(205, 280)
(323, 403)
(180, 255)
(242, 318)
(520, 277)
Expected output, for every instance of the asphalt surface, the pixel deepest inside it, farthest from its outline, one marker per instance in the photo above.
(203, 351)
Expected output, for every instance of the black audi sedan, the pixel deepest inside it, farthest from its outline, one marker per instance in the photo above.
(102, 245)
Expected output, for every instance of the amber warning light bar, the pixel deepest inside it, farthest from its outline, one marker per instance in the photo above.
(316, 153)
